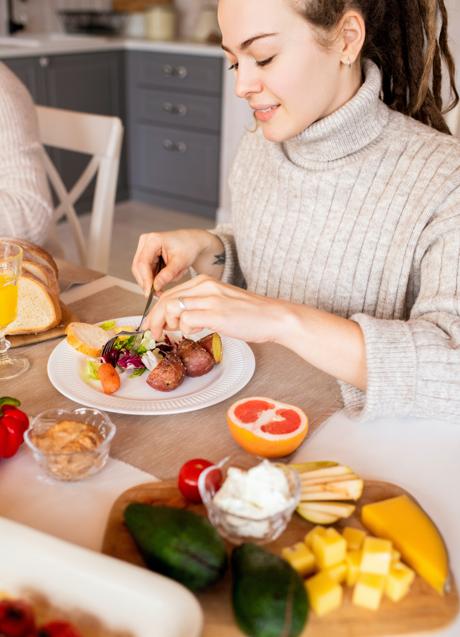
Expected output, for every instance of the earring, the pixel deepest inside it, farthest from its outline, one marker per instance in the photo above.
(348, 62)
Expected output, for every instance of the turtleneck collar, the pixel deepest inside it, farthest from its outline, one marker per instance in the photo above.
(346, 131)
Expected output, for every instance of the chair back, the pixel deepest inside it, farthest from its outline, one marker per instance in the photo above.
(99, 136)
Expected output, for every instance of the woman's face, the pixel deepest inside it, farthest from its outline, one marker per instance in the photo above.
(287, 77)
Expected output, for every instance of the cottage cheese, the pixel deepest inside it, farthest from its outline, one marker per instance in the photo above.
(249, 498)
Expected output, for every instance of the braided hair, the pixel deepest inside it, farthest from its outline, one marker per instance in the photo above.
(405, 40)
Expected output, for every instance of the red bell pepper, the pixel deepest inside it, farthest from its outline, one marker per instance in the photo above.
(13, 424)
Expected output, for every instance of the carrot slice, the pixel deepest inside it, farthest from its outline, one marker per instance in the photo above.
(109, 378)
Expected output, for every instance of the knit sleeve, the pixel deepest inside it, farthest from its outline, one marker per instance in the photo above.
(232, 271)
(414, 365)
(25, 202)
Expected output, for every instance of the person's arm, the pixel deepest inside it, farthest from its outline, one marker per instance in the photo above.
(24, 194)
(414, 365)
(331, 343)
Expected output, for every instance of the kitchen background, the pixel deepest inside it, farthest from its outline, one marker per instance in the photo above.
(213, 139)
(42, 15)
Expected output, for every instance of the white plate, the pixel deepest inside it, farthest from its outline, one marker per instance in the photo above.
(65, 365)
(121, 596)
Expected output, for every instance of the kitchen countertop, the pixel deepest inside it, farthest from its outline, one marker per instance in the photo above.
(33, 45)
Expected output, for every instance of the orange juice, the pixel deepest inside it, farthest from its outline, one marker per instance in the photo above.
(8, 298)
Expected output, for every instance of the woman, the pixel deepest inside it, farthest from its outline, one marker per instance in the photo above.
(25, 201)
(346, 206)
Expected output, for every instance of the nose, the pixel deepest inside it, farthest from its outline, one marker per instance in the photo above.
(247, 81)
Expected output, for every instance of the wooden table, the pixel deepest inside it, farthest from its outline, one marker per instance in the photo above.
(383, 450)
(161, 444)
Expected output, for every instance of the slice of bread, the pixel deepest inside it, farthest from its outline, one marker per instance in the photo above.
(86, 338)
(38, 308)
(43, 272)
(34, 252)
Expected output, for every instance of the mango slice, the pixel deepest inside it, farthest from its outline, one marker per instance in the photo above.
(413, 534)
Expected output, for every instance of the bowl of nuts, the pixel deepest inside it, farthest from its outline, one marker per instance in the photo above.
(70, 444)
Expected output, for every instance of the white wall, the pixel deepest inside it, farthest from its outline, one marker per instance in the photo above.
(453, 7)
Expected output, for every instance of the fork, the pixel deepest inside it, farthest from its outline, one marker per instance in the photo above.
(108, 346)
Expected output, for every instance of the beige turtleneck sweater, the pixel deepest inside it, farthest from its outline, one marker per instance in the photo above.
(25, 204)
(359, 215)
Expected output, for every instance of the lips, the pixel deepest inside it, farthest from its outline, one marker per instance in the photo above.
(265, 112)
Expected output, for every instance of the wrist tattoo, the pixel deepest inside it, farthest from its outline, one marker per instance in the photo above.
(219, 259)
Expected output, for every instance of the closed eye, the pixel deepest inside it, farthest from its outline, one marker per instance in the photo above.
(234, 67)
(265, 62)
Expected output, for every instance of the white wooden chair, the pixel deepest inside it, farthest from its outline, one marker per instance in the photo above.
(101, 137)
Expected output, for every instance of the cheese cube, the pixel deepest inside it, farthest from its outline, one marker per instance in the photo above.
(398, 581)
(353, 537)
(353, 561)
(376, 556)
(368, 590)
(324, 593)
(329, 548)
(395, 556)
(300, 557)
(338, 572)
(317, 530)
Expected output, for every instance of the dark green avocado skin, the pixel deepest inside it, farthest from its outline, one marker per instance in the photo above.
(269, 597)
(177, 543)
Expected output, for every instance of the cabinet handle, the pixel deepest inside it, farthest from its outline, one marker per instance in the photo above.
(179, 147)
(181, 72)
(175, 71)
(173, 109)
(44, 62)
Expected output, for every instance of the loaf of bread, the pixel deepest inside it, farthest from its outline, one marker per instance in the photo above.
(39, 308)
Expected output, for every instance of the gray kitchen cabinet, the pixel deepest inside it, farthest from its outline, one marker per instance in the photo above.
(86, 82)
(171, 107)
(174, 104)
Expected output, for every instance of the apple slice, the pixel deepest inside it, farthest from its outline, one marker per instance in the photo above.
(343, 490)
(325, 512)
(326, 472)
(308, 467)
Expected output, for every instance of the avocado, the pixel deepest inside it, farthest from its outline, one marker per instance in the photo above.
(269, 597)
(177, 543)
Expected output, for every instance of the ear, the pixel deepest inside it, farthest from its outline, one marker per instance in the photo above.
(351, 36)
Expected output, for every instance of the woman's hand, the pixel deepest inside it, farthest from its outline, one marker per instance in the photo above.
(331, 343)
(180, 250)
(204, 302)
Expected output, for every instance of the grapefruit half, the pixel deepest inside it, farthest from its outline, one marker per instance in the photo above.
(267, 427)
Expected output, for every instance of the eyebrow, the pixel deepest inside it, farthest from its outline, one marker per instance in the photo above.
(247, 43)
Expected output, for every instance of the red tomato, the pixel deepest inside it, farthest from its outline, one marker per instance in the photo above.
(16, 618)
(188, 478)
(58, 629)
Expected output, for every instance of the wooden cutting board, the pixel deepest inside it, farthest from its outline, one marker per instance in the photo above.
(55, 332)
(421, 610)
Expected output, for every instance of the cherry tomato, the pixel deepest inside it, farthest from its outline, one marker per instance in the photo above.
(58, 629)
(16, 618)
(188, 478)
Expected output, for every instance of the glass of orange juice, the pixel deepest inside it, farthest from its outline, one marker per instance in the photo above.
(10, 269)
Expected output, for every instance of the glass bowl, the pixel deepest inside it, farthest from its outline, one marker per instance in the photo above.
(256, 527)
(70, 444)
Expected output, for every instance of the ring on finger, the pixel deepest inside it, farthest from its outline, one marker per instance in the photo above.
(181, 304)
